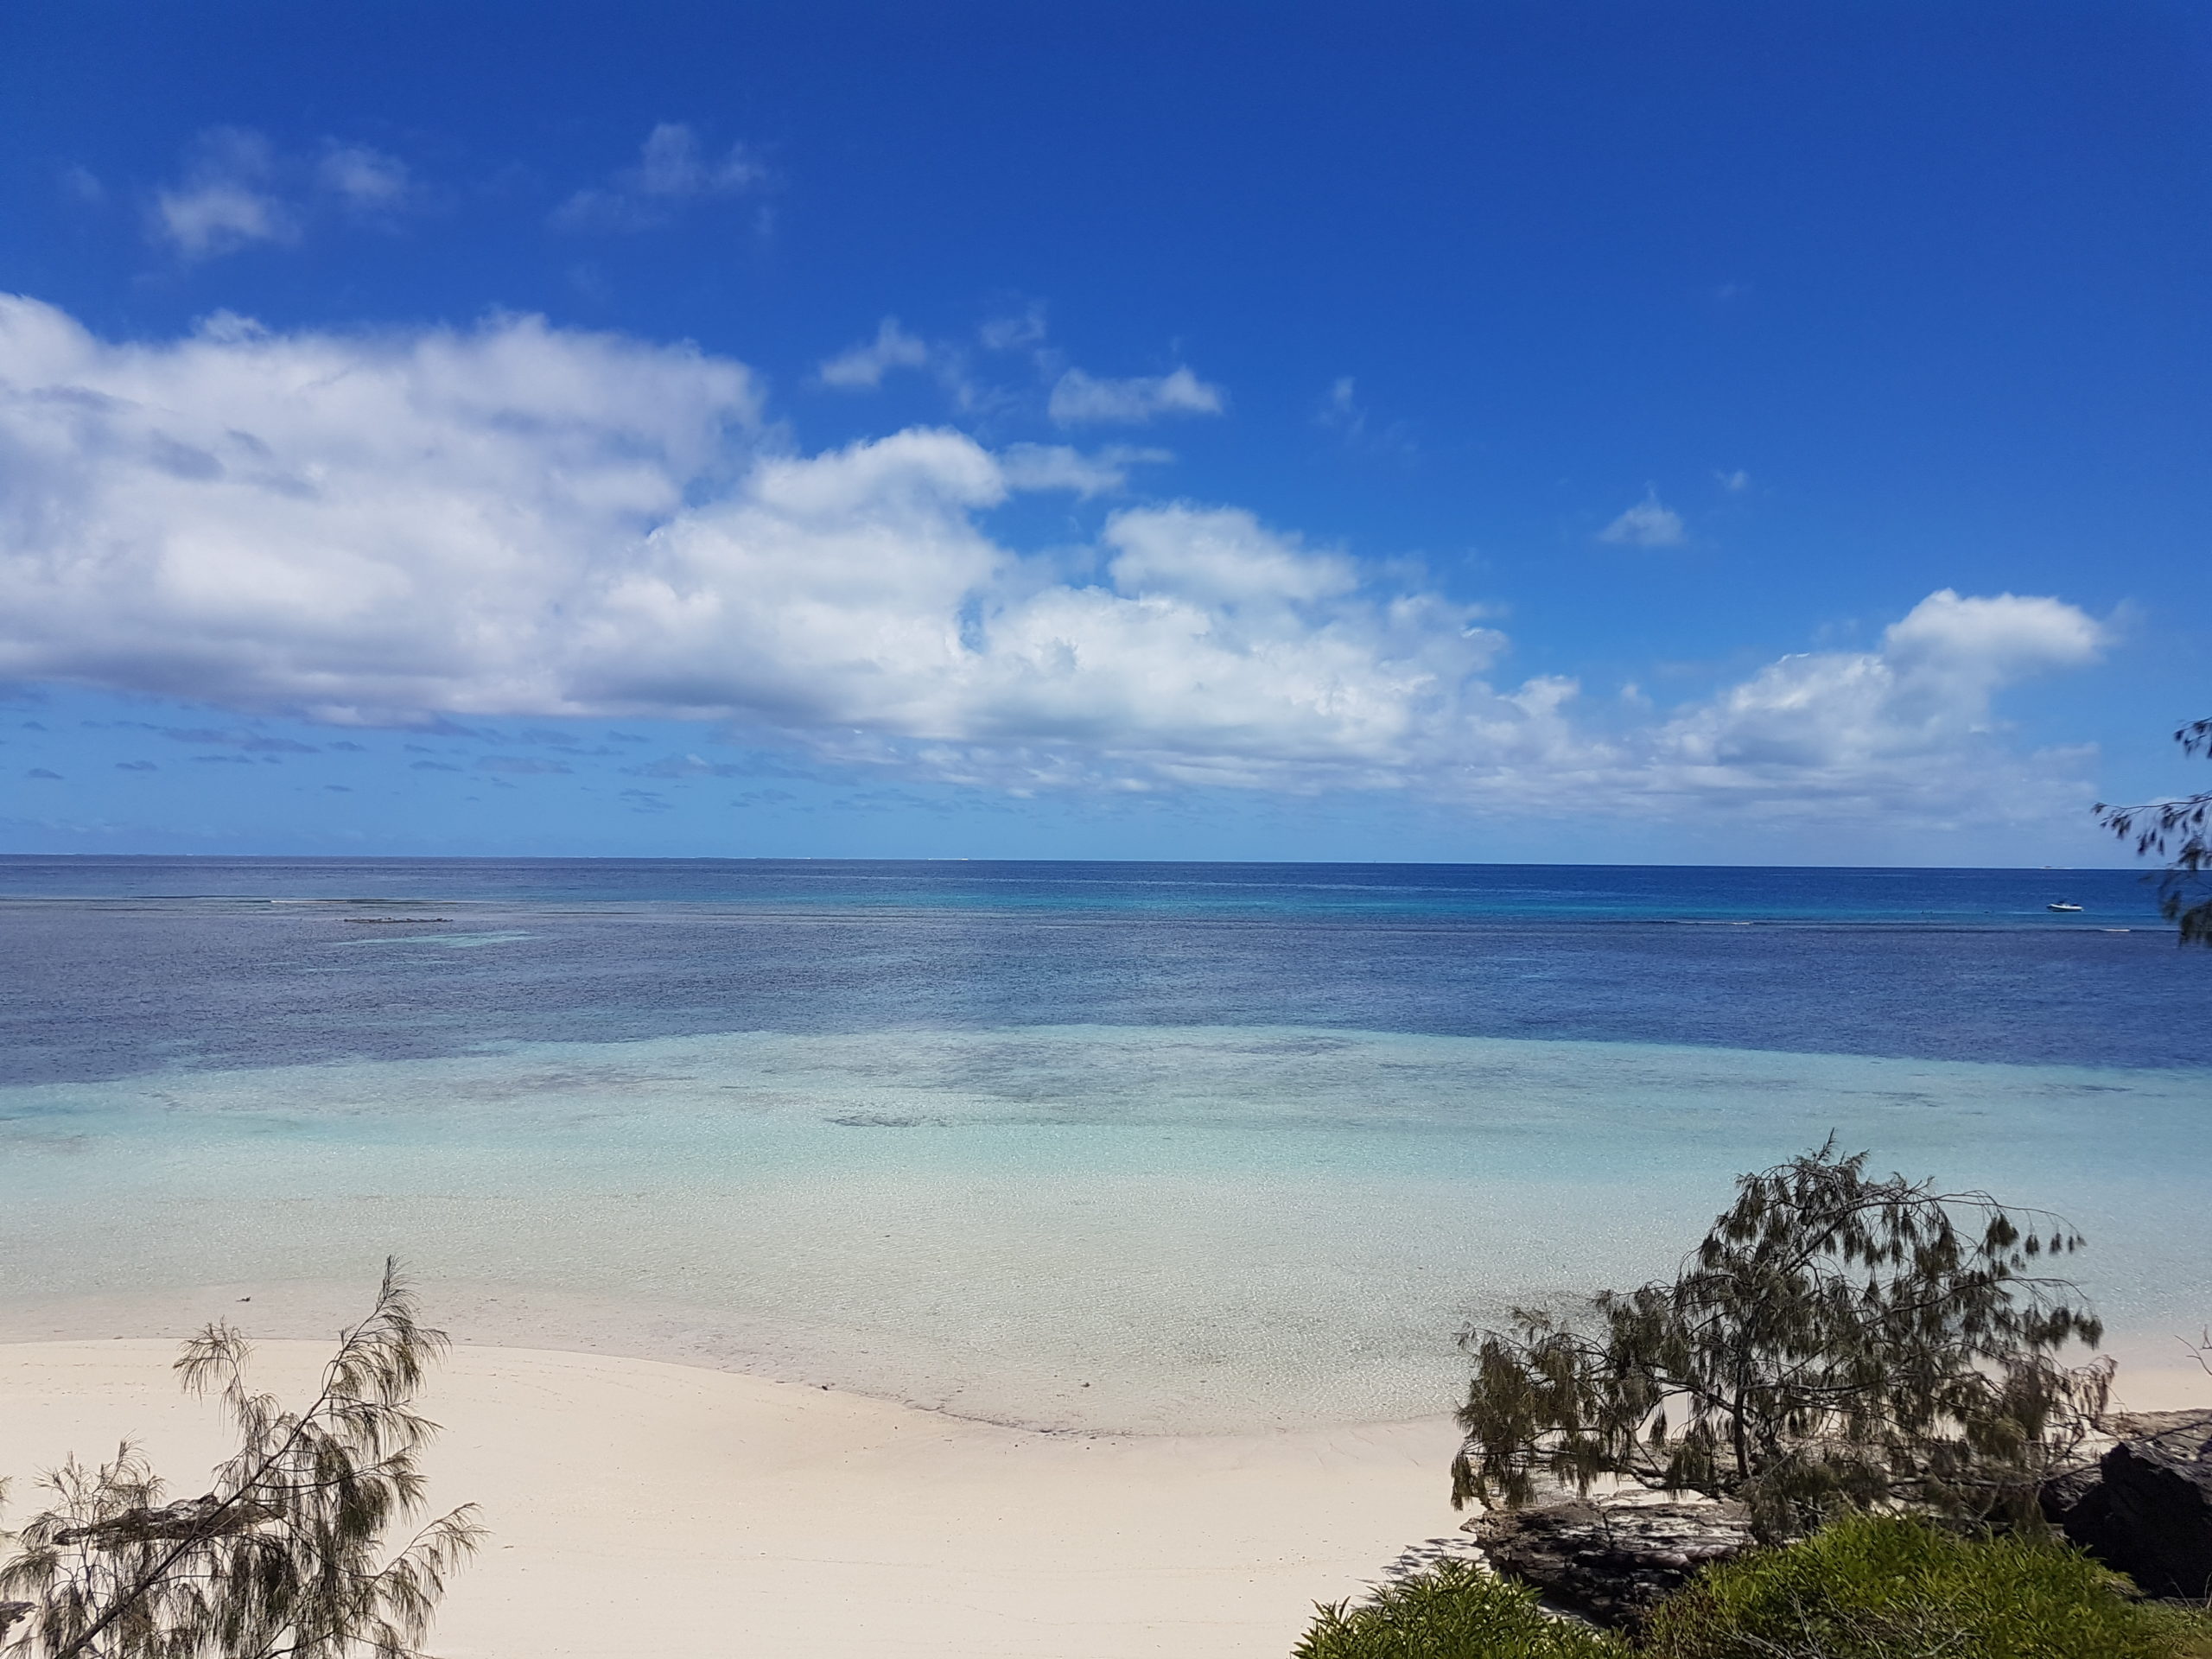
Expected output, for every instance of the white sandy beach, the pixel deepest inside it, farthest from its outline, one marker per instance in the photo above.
(649, 1509)
(640, 1507)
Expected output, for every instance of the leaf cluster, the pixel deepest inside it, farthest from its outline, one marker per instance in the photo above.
(1897, 1587)
(2179, 831)
(283, 1557)
(1867, 1586)
(1836, 1342)
(1455, 1610)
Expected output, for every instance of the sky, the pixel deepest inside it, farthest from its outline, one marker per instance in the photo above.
(1614, 433)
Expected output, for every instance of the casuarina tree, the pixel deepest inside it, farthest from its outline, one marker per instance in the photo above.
(2177, 831)
(1836, 1342)
(286, 1555)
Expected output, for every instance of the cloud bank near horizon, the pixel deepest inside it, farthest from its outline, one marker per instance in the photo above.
(391, 527)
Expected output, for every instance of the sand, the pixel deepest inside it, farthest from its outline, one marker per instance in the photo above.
(644, 1508)
(639, 1507)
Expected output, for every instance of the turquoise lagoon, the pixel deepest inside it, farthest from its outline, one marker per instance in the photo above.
(1083, 1147)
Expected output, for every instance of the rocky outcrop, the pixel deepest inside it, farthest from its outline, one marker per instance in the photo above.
(1613, 1559)
(2149, 1513)
(2183, 1435)
(2145, 1507)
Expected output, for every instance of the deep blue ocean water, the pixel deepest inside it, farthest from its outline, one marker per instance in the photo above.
(1236, 1143)
(115, 966)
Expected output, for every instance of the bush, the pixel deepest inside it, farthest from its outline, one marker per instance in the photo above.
(1837, 1342)
(1891, 1587)
(1455, 1611)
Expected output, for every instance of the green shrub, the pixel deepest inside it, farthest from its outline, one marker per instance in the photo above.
(1888, 1587)
(1455, 1611)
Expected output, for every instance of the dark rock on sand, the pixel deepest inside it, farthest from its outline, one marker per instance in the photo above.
(1611, 1560)
(2150, 1515)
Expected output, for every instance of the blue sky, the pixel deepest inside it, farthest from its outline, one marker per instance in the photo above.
(1667, 432)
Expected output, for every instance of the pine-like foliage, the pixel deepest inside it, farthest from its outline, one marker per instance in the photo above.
(2180, 832)
(284, 1557)
(1888, 1587)
(1455, 1610)
(1835, 1343)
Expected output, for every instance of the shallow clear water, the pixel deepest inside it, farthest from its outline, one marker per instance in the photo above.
(1227, 1145)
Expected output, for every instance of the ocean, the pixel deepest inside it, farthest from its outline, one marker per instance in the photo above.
(1115, 1147)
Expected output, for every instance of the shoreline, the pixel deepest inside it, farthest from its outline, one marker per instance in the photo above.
(2156, 1374)
(887, 1366)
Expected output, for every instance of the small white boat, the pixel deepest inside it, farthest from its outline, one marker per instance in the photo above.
(2062, 905)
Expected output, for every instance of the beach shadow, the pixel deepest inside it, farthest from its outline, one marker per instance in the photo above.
(1430, 1553)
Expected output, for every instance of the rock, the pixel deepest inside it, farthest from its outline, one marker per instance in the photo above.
(2150, 1516)
(2186, 1435)
(1612, 1558)
(2061, 1495)
(2183, 1435)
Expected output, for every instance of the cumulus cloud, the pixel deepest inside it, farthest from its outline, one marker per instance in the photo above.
(1648, 524)
(864, 366)
(522, 520)
(422, 528)
(672, 169)
(1987, 641)
(333, 523)
(1079, 400)
(1908, 727)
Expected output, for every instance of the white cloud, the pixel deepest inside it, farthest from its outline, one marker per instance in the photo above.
(238, 189)
(1057, 466)
(1080, 399)
(864, 366)
(672, 169)
(1648, 524)
(1985, 641)
(224, 201)
(1222, 556)
(521, 520)
(324, 521)
(671, 165)
(1909, 728)
(1735, 482)
(365, 179)
(220, 218)
(1013, 334)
